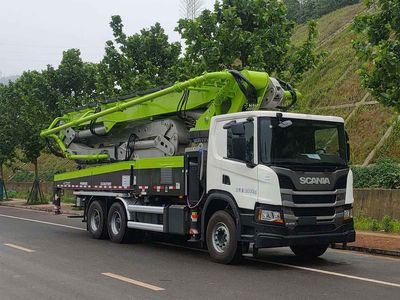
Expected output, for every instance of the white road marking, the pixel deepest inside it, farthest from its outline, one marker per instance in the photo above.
(19, 248)
(250, 257)
(377, 256)
(135, 282)
(253, 259)
(327, 272)
(42, 222)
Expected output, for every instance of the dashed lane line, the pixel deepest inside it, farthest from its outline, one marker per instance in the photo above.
(42, 222)
(133, 281)
(19, 247)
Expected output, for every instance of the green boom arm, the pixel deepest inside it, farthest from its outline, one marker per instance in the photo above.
(214, 93)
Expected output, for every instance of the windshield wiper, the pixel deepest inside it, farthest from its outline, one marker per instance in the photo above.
(327, 164)
(284, 162)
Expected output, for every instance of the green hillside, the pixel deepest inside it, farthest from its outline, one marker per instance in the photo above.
(333, 88)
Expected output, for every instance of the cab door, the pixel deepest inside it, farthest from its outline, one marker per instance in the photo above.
(239, 174)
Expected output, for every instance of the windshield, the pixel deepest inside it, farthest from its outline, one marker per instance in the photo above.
(305, 142)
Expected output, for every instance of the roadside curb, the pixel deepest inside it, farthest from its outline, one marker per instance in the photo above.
(366, 250)
(44, 209)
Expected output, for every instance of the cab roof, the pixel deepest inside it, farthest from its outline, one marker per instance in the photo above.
(285, 115)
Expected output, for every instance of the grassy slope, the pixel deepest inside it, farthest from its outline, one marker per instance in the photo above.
(330, 23)
(334, 82)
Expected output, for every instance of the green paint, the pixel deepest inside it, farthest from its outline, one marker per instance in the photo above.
(144, 163)
(212, 93)
(149, 103)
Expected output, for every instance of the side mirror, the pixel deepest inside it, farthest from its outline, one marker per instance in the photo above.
(347, 146)
(237, 138)
(239, 147)
(229, 124)
(238, 129)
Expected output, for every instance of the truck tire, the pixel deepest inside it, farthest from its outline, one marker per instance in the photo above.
(309, 251)
(222, 243)
(117, 223)
(96, 221)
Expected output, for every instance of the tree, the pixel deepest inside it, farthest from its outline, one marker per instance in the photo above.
(8, 140)
(191, 9)
(255, 32)
(294, 10)
(241, 34)
(34, 99)
(74, 79)
(138, 61)
(304, 56)
(378, 49)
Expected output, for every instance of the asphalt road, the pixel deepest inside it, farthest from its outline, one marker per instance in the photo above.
(43, 256)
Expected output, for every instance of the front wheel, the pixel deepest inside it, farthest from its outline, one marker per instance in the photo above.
(117, 223)
(222, 243)
(309, 251)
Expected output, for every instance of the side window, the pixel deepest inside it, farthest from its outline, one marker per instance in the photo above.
(240, 142)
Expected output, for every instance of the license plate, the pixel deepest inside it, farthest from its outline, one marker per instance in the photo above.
(307, 221)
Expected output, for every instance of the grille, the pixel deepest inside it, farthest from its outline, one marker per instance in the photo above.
(286, 183)
(313, 211)
(341, 182)
(310, 199)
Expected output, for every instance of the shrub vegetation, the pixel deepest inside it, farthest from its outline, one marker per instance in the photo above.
(384, 174)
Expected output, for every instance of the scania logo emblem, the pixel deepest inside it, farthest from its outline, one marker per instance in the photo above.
(314, 180)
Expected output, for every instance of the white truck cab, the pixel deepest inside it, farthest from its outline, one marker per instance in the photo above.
(287, 174)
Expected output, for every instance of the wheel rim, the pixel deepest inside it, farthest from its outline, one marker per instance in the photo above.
(116, 223)
(221, 237)
(95, 220)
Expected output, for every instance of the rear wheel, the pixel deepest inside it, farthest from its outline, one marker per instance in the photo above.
(309, 251)
(117, 223)
(222, 243)
(96, 223)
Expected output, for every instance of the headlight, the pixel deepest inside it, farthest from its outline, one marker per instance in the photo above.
(269, 216)
(348, 214)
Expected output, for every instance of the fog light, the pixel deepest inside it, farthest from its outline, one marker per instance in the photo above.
(269, 216)
(348, 214)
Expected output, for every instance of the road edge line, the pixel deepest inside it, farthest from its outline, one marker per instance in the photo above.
(327, 272)
(42, 222)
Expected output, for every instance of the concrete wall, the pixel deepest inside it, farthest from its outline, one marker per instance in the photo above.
(376, 203)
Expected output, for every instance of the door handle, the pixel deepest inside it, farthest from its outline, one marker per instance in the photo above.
(226, 180)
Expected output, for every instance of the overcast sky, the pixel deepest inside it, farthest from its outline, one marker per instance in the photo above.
(33, 33)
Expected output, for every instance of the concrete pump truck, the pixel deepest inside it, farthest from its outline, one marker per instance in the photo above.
(215, 159)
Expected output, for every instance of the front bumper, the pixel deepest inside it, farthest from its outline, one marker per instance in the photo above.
(270, 235)
(268, 240)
